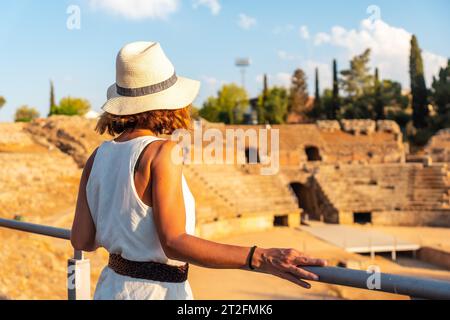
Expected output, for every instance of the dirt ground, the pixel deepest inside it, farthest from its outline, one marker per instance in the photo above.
(34, 267)
(438, 238)
(231, 284)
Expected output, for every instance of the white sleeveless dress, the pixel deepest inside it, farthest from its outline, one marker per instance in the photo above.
(125, 224)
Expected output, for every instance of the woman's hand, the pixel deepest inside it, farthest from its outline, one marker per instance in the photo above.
(286, 264)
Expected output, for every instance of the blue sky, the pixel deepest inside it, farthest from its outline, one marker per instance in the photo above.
(203, 38)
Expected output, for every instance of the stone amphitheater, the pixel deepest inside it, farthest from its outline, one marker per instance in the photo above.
(347, 172)
(335, 172)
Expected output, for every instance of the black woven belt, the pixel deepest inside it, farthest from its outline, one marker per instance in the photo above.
(148, 270)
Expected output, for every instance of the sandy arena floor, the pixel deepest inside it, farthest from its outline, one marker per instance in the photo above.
(34, 267)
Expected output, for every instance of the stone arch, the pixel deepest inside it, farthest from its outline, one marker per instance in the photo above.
(312, 153)
(250, 155)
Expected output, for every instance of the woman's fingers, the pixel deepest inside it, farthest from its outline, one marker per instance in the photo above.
(286, 264)
(307, 261)
(294, 279)
(295, 271)
(299, 272)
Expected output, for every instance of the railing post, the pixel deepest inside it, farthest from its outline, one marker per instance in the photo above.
(372, 251)
(394, 251)
(78, 277)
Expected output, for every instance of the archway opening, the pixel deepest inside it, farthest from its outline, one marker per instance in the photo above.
(362, 217)
(252, 156)
(306, 200)
(313, 154)
(281, 221)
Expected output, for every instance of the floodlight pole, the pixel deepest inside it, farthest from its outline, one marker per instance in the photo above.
(243, 76)
(242, 64)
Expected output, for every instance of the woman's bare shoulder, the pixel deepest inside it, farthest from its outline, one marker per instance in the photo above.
(89, 163)
(168, 155)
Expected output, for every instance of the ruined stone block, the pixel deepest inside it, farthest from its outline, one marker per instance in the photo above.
(359, 127)
(329, 125)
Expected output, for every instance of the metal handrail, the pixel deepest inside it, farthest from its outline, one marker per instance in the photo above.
(408, 286)
(391, 283)
(78, 268)
(36, 228)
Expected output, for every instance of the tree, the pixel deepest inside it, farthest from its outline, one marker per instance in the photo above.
(194, 113)
(229, 106)
(390, 103)
(72, 106)
(336, 100)
(378, 99)
(298, 92)
(261, 105)
(357, 82)
(317, 100)
(418, 87)
(211, 110)
(52, 100)
(2, 101)
(441, 97)
(26, 114)
(276, 103)
(391, 95)
(324, 110)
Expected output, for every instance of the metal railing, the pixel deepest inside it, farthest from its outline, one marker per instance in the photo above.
(416, 288)
(78, 272)
(78, 268)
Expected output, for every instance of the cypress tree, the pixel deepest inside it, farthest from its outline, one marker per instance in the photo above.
(418, 87)
(441, 97)
(262, 102)
(317, 101)
(52, 99)
(335, 101)
(266, 87)
(379, 105)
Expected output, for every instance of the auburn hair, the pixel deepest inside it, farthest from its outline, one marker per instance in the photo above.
(158, 121)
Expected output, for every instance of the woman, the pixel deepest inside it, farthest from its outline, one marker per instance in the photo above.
(134, 200)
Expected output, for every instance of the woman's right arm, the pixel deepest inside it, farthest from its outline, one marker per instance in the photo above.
(170, 220)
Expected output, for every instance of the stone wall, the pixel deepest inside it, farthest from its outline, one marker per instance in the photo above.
(439, 147)
(351, 141)
(394, 194)
(410, 218)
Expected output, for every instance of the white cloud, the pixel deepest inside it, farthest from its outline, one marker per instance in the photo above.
(320, 38)
(304, 32)
(213, 5)
(390, 48)
(286, 56)
(138, 9)
(433, 63)
(246, 22)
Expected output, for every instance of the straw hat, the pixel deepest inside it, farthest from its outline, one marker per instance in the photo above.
(146, 80)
